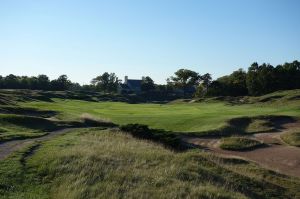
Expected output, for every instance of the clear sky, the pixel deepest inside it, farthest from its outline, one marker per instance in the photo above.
(155, 37)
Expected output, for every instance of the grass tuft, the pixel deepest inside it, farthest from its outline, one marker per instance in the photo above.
(239, 143)
(90, 120)
(292, 138)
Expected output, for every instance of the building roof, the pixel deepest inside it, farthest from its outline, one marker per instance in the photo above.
(134, 83)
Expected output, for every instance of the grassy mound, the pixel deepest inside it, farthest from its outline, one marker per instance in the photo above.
(168, 139)
(15, 127)
(285, 96)
(292, 138)
(28, 122)
(110, 164)
(26, 111)
(249, 125)
(239, 143)
(93, 121)
(22, 127)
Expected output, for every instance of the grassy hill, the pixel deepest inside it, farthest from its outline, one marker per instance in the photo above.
(179, 117)
(210, 116)
(105, 162)
(96, 163)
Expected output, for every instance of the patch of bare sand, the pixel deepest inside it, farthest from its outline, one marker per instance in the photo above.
(275, 156)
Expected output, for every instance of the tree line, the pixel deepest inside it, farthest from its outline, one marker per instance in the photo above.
(258, 80)
(41, 82)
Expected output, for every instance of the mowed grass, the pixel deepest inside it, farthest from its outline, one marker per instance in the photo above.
(95, 163)
(181, 117)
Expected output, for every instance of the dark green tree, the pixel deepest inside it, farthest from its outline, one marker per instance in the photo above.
(184, 79)
(61, 83)
(107, 82)
(147, 84)
(261, 79)
(11, 82)
(43, 82)
(206, 80)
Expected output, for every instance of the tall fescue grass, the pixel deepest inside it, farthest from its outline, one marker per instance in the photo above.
(239, 143)
(114, 165)
(292, 138)
(95, 163)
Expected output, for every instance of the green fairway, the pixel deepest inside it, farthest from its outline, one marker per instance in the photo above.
(25, 115)
(178, 117)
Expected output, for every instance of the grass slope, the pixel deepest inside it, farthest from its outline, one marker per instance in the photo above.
(21, 127)
(98, 163)
(177, 117)
(208, 117)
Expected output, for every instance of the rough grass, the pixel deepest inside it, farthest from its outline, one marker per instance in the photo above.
(90, 120)
(15, 127)
(260, 125)
(239, 143)
(292, 138)
(102, 164)
(21, 127)
(279, 97)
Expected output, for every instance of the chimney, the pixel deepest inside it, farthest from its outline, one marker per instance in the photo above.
(125, 79)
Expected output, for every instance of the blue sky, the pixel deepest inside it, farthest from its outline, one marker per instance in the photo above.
(155, 37)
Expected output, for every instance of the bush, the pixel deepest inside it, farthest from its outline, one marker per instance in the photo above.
(168, 139)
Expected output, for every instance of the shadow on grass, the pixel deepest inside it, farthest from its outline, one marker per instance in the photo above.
(26, 111)
(43, 126)
(238, 126)
(167, 138)
(11, 96)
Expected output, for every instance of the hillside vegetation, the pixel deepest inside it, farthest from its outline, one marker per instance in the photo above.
(95, 163)
(178, 117)
(140, 163)
(292, 138)
(239, 143)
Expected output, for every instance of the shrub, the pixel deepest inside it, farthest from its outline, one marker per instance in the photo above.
(168, 139)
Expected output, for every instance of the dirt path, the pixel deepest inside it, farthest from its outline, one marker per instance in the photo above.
(276, 156)
(9, 147)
